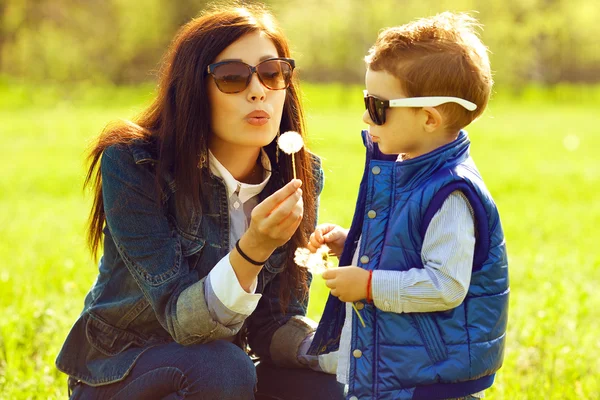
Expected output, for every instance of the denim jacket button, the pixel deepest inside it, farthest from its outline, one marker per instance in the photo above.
(364, 259)
(357, 353)
(372, 214)
(359, 305)
(353, 398)
(376, 170)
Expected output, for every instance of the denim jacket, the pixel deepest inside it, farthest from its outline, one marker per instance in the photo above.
(150, 286)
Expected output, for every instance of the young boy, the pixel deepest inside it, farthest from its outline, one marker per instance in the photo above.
(424, 261)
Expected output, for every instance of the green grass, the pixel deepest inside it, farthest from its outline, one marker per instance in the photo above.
(538, 157)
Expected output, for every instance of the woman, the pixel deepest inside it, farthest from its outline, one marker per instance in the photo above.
(201, 218)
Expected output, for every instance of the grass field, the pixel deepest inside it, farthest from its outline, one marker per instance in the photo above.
(538, 154)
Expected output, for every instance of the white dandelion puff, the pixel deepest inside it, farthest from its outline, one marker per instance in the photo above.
(317, 263)
(290, 143)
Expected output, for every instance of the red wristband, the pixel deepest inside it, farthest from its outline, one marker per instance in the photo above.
(369, 298)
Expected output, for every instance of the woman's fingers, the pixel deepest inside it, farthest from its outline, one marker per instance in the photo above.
(285, 224)
(271, 203)
(282, 217)
(276, 218)
(289, 225)
(292, 206)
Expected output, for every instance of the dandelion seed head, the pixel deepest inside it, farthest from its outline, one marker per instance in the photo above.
(317, 262)
(290, 142)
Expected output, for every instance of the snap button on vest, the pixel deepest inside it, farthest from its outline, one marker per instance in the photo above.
(359, 305)
(357, 353)
(371, 214)
(364, 259)
(376, 170)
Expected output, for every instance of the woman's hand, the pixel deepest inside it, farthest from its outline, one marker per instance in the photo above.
(274, 221)
(349, 284)
(334, 236)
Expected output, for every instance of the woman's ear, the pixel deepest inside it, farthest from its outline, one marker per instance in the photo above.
(433, 119)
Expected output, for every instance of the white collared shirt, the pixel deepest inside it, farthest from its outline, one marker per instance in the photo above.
(246, 190)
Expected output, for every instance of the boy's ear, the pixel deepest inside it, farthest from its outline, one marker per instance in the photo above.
(433, 119)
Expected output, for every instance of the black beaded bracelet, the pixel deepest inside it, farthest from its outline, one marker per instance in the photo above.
(251, 261)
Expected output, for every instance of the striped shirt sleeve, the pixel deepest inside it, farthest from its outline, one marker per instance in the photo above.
(447, 256)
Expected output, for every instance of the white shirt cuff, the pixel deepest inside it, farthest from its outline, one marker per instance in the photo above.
(228, 290)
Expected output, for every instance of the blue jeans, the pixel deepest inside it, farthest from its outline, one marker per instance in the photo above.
(218, 370)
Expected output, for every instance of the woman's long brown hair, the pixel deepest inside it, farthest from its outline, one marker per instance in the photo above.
(179, 121)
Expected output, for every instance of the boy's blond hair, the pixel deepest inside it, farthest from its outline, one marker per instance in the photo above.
(437, 56)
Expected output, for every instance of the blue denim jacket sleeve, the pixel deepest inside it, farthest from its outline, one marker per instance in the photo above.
(151, 250)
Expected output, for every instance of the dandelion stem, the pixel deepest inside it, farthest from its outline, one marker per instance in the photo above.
(294, 165)
(359, 317)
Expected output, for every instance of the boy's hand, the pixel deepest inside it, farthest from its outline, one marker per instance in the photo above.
(332, 235)
(349, 284)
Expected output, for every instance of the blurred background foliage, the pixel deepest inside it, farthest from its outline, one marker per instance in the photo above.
(542, 42)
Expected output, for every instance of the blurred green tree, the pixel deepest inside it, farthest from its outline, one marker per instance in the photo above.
(121, 41)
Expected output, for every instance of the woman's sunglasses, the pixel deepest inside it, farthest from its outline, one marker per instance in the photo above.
(377, 107)
(235, 76)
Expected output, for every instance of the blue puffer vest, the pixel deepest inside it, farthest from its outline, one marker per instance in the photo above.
(435, 355)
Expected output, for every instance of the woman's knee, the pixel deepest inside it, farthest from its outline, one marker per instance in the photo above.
(223, 370)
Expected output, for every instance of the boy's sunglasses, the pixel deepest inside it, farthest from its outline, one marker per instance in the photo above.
(377, 107)
(235, 76)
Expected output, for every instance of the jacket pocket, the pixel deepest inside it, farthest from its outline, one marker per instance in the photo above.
(191, 247)
(190, 244)
(431, 336)
(108, 339)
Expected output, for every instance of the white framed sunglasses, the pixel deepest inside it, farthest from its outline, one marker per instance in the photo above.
(377, 106)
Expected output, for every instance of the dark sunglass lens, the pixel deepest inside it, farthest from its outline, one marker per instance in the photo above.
(380, 110)
(371, 104)
(275, 74)
(231, 77)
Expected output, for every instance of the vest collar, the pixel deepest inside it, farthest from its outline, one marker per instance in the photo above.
(415, 170)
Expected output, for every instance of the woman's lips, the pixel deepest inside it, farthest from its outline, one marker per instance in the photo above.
(258, 117)
(257, 121)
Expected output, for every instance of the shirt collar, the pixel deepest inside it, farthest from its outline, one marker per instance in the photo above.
(246, 190)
